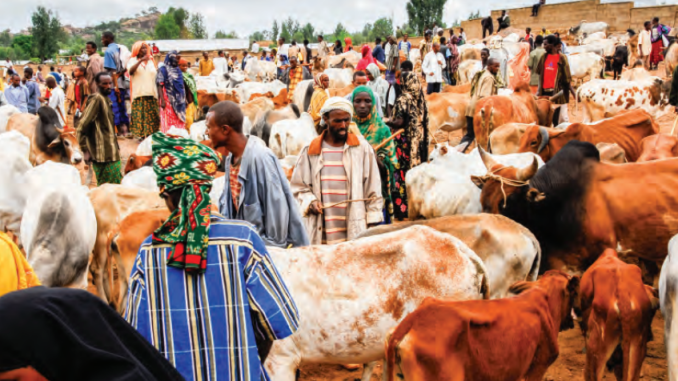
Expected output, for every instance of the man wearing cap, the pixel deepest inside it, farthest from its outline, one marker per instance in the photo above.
(204, 290)
(336, 180)
(256, 188)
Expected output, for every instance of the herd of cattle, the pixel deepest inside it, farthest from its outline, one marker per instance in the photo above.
(531, 199)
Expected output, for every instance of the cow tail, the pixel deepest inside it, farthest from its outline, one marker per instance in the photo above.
(392, 342)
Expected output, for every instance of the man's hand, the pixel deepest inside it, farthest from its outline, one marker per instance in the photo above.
(315, 208)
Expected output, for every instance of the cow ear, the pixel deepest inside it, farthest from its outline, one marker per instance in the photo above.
(54, 143)
(519, 287)
(443, 150)
(574, 128)
(533, 195)
(478, 181)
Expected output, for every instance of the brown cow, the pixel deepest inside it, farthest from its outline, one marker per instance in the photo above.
(544, 112)
(617, 312)
(658, 147)
(209, 99)
(447, 111)
(577, 206)
(123, 245)
(506, 139)
(257, 107)
(279, 101)
(135, 162)
(497, 110)
(461, 89)
(501, 340)
(627, 130)
(611, 153)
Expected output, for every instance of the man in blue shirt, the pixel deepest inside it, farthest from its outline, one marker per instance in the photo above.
(378, 52)
(17, 94)
(113, 64)
(55, 74)
(256, 188)
(33, 91)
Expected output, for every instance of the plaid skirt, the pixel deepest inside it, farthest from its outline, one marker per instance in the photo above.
(145, 117)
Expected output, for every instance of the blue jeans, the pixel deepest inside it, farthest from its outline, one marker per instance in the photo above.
(119, 108)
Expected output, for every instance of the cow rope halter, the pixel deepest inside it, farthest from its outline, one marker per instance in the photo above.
(503, 180)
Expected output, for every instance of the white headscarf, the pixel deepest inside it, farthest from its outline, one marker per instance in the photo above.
(336, 103)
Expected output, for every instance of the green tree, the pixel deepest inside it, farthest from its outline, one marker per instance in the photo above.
(196, 26)
(383, 28)
(46, 32)
(456, 24)
(423, 13)
(222, 34)
(298, 37)
(181, 17)
(275, 30)
(286, 33)
(257, 36)
(308, 31)
(5, 38)
(167, 28)
(340, 31)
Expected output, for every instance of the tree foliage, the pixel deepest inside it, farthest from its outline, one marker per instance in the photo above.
(383, 28)
(423, 13)
(340, 31)
(308, 31)
(222, 34)
(257, 36)
(5, 38)
(275, 30)
(196, 26)
(474, 15)
(167, 28)
(46, 32)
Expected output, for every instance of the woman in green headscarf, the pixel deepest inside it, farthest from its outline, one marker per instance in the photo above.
(375, 131)
(191, 90)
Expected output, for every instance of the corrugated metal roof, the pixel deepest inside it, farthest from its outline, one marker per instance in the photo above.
(200, 45)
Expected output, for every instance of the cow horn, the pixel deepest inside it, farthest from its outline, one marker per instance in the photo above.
(524, 174)
(487, 159)
(59, 130)
(544, 138)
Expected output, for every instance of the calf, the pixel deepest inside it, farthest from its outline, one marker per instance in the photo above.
(627, 130)
(289, 136)
(617, 312)
(135, 162)
(658, 147)
(279, 101)
(501, 340)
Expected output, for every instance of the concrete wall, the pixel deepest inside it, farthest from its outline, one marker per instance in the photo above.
(619, 16)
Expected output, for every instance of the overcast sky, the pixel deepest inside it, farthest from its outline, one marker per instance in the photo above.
(248, 16)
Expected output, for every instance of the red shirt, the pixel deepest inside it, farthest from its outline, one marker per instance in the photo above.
(156, 50)
(236, 187)
(550, 71)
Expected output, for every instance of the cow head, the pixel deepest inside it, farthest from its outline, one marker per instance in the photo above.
(546, 142)
(502, 183)
(135, 162)
(563, 293)
(70, 145)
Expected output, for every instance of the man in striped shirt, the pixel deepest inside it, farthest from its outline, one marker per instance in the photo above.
(204, 290)
(336, 180)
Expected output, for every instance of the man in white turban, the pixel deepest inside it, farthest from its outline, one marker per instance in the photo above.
(336, 180)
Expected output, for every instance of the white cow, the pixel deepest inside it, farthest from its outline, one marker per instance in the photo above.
(351, 57)
(668, 287)
(606, 98)
(143, 178)
(351, 294)
(468, 69)
(6, 112)
(443, 187)
(339, 78)
(289, 136)
(597, 36)
(58, 225)
(13, 191)
(586, 64)
(257, 70)
(588, 28)
(415, 56)
(249, 88)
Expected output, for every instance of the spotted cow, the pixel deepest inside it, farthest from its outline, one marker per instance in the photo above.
(603, 98)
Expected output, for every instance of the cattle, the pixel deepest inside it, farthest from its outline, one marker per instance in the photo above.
(497, 110)
(303, 94)
(470, 52)
(207, 99)
(668, 286)
(506, 139)
(592, 37)
(123, 245)
(339, 78)
(508, 339)
(13, 193)
(604, 98)
(636, 74)
(111, 204)
(467, 70)
(658, 147)
(459, 89)
(346, 59)
(135, 162)
(262, 127)
(671, 59)
(447, 111)
(616, 317)
(586, 64)
(611, 153)
(256, 108)
(627, 130)
(510, 252)
(288, 164)
(58, 227)
(632, 44)
(603, 48)
(349, 302)
(247, 89)
(279, 101)
(588, 28)
(6, 112)
(544, 112)
(289, 136)
(443, 187)
(597, 205)
(144, 178)
(49, 142)
(257, 70)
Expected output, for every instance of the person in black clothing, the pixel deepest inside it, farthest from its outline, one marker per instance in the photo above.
(535, 8)
(488, 25)
(338, 49)
(504, 21)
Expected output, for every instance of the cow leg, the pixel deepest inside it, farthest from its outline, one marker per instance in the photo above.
(283, 361)
(368, 369)
(600, 344)
(634, 349)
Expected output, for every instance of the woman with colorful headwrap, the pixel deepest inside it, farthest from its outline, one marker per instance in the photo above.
(349, 44)
(410, 113)
(142, 75)
(375, 131)
(320, 95)
(170, 83)
(191, 94)
(367, 58)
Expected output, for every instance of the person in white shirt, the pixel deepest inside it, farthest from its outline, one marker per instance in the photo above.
(645, 45)
(433, 66)
(221, 63)
(283, 59)
(323, 49)
(255, 47)
(56, 99)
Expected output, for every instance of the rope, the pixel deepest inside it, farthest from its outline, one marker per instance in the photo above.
(347, 201)
(674, 126)
(503, 180)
